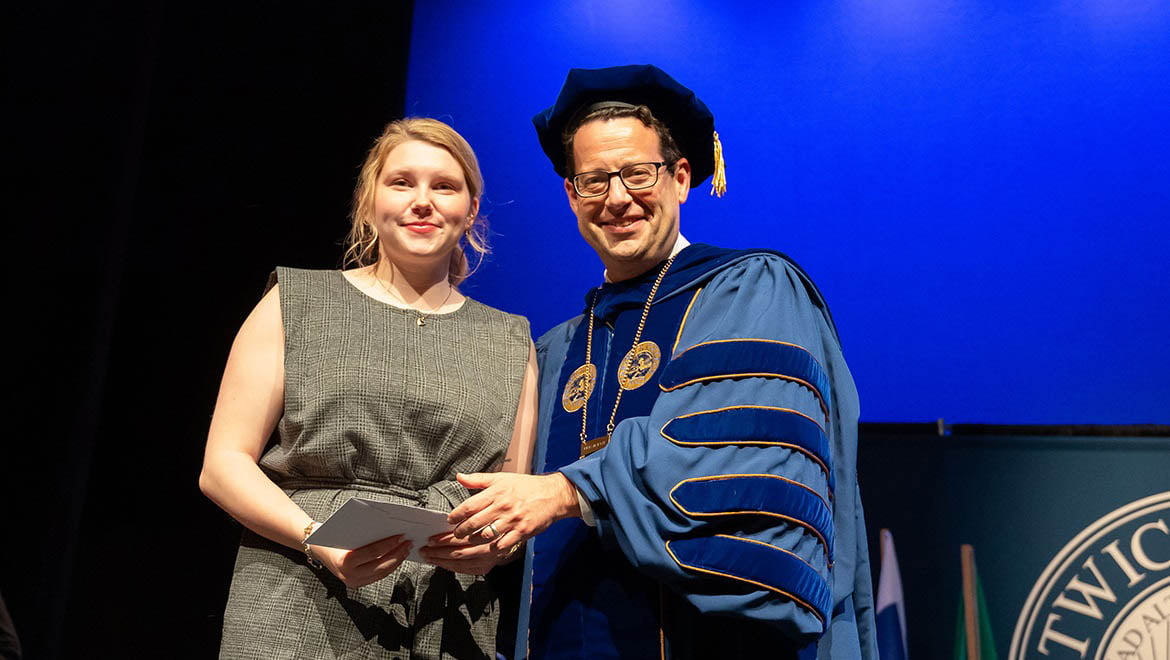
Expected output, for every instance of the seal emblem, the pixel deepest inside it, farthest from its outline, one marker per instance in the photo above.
(639, 365)
(1106, 594)
(579, 387)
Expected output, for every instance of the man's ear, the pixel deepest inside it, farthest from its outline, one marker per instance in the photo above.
(682, 177)
(571, 193)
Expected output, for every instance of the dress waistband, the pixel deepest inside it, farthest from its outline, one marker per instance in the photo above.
(441, 495)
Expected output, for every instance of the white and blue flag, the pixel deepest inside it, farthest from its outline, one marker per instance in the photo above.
(891, 607)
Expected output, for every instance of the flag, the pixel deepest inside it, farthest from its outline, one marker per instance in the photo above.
(973, 638)
(891, 607)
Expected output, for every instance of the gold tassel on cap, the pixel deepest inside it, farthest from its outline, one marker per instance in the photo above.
(719, 178)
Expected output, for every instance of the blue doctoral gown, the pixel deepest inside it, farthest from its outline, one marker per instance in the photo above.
(729, 522)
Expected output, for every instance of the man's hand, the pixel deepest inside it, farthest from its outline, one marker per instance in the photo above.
(367, 564)
(512, 508)
(470, 555)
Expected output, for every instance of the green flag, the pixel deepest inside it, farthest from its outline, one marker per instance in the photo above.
(973, 637)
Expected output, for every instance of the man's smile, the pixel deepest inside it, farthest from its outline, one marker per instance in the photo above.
(621, 225)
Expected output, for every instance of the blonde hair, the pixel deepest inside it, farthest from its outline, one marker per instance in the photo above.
(361, 244)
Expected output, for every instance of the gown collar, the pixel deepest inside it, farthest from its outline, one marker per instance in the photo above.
(691, 263)
(696, 263)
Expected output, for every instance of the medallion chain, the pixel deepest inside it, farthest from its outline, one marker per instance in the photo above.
(585, 444)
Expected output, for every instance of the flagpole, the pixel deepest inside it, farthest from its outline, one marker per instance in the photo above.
(970, 602)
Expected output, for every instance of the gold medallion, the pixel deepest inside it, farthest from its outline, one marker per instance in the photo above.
(579, 387)
(639, 365)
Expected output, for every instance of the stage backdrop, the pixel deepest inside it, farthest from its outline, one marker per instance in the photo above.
(980, 189)
(1070, 532)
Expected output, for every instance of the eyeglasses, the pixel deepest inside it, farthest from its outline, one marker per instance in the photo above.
(634, 177)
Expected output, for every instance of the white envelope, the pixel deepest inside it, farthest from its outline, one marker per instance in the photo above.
(360, 522)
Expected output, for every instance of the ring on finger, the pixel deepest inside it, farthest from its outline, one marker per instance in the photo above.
(489, 531)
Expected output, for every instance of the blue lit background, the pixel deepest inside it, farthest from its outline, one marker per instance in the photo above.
(980, 189)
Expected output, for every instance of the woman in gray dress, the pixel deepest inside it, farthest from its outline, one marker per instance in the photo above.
(384, 382)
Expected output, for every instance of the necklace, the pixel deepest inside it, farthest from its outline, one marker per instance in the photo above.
(635, 370)
(422, 316)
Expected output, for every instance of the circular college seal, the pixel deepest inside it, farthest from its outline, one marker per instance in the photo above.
(639, 365)
(1106, 594)
(579, 387)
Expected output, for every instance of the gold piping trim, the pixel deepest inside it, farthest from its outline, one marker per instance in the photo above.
(531, 565)
(767, 545)
(661, 625)
(816, 392)
(764, 341)
(751, 405)
(761, 374)
(681, 325)
(765, 443)
(793, 598)
(718, 477)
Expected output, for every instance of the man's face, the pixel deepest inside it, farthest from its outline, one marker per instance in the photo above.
(632, 230)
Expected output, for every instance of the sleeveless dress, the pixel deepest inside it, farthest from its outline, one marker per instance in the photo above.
(378, 407)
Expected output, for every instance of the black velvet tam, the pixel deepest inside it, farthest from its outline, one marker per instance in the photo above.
(690, 122)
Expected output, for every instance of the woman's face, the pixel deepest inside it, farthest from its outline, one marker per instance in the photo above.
(422, 205)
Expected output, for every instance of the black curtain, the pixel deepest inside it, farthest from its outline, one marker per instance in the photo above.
(167, 156)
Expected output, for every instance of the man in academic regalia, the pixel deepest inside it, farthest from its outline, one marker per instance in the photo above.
(698, 424)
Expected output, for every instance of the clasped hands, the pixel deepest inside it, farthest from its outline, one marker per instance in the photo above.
(489, 528)
(490, 525)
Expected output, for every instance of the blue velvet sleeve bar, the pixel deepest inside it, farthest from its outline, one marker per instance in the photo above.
(729, 490)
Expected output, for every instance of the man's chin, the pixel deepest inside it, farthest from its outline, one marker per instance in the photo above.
(622, 253)
(623, 265)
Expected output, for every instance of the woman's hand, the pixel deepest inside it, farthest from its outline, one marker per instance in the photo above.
(364, 565)
(473, 556)
(512, 508)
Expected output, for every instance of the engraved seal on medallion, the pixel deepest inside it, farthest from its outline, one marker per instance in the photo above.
(639, 365)
(578, 388)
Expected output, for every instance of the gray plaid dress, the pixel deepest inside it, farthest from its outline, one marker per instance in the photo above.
(376, 407)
